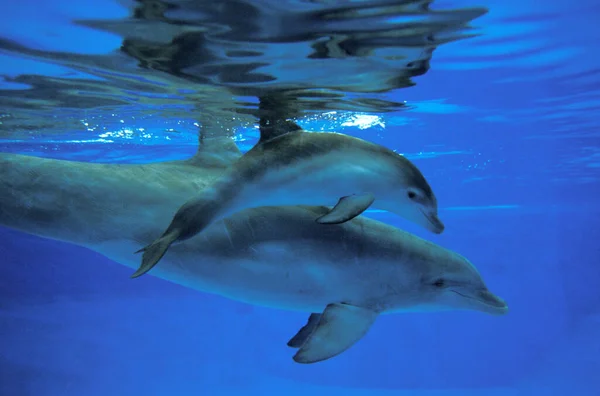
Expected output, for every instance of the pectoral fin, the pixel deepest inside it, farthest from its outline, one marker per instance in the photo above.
(154, 252)
(300, 338)
(347, 208)
(339, 327)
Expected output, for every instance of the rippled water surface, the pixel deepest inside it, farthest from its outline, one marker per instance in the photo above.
(214, 58)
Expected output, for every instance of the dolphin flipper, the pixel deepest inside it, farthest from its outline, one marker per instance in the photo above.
(154, 252)
(300, 338)
(340, 327)
(347, 208)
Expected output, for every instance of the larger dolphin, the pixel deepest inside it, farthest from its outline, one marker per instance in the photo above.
(344, 275)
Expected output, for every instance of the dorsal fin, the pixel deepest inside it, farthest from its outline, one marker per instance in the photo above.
(274, 112)
(270, 129)
(216, 147)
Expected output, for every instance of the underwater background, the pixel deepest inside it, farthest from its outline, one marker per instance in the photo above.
(505, 127)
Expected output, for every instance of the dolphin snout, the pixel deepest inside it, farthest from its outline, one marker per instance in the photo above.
(495, 304)
(435, 225)
(483, 300)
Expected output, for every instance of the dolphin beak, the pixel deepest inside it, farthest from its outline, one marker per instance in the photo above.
(434, 224)
(485, 301)
(496, 305)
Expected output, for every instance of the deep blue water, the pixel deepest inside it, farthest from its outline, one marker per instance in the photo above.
(505, 128)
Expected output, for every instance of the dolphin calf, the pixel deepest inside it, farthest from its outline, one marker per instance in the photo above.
(289, 166)
(344, 276)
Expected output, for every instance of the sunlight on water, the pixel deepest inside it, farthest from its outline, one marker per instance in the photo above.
(364, 121)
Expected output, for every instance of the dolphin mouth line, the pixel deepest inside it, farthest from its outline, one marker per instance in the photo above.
(430, 218)
(480, 301)
(465, 296)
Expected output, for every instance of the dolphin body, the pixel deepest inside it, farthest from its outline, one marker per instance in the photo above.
(289, 166)
(344, 275)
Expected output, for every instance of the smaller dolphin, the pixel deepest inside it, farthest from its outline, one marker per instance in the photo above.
(289, 166)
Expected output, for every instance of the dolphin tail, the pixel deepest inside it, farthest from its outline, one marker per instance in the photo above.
(154, 252)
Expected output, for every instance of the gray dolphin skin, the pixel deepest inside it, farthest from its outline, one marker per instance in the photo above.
(343, 276)
(289, 166)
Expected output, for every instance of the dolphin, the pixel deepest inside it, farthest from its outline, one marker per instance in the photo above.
(344, 276)
(289, 166)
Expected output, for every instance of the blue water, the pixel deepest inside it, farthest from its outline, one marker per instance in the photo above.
(504, 126)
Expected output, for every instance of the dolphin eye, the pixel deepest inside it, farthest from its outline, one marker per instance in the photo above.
(411, 194)
(439, 283)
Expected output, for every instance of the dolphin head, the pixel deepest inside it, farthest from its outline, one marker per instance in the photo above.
(420, 206)
(413, 198)
(457, 285)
